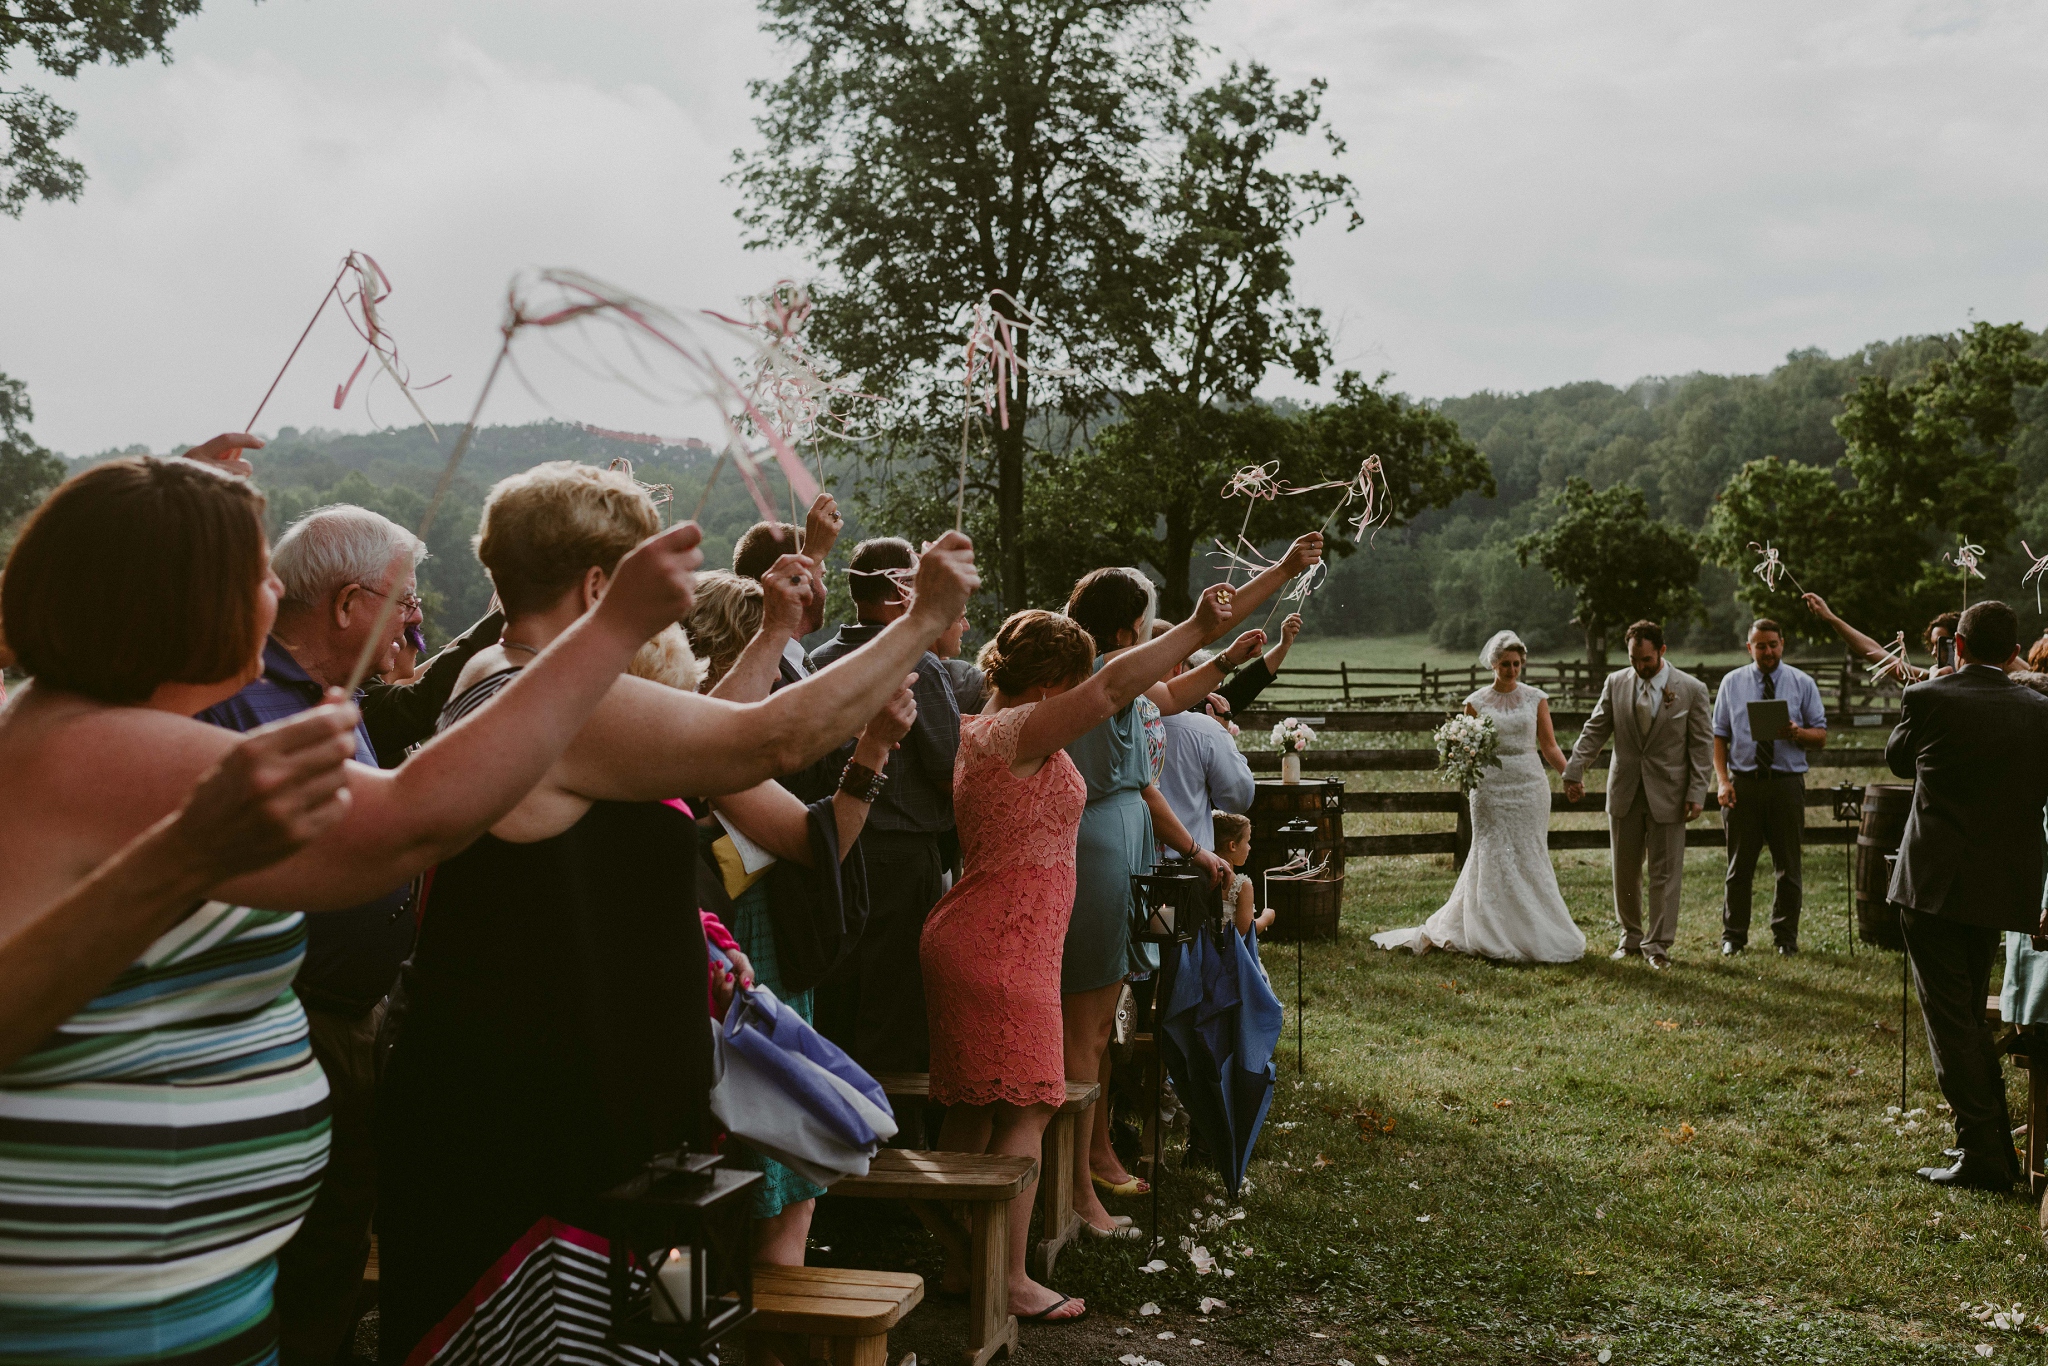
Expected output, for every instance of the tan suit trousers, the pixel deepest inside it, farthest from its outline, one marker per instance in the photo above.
(1634, 835)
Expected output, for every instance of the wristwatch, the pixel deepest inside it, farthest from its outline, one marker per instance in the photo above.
(862, 783)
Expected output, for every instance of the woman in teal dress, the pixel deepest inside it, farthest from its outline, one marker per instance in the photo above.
(1115, 606)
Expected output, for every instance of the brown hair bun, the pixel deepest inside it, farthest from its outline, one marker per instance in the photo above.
(1037, 649)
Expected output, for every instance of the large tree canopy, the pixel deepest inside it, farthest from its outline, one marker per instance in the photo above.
(929, 153)
(1620, 564)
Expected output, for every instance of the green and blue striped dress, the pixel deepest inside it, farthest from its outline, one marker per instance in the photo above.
(157, 1151)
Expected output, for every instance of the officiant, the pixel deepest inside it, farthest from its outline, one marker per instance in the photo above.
(1763, 782)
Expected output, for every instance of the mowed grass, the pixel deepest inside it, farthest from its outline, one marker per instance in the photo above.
(1505, 1163)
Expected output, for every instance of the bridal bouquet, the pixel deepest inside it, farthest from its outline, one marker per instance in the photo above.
(1291, 736)
(1465, 746)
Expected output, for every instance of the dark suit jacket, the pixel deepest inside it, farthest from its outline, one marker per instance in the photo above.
(1976, 745)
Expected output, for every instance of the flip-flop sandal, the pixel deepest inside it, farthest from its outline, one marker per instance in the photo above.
(1044, 1315)
(1136, 1185)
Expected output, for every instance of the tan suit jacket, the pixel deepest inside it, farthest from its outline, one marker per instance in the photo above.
(1669, 766)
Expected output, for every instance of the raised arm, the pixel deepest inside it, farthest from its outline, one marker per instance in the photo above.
(1176, 695)
(1059, 721)
(1305, 551)
(770, 816)
(786, 591)
(1860, 644)
(274, 790)
(648, 742)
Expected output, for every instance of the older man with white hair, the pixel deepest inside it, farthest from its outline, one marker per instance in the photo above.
(338, 566)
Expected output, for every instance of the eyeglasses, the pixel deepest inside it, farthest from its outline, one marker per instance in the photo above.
(407, 605)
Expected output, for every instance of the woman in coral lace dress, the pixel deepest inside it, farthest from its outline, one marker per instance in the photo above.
(992, 947)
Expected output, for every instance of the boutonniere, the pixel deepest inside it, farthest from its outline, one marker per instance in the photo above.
(1671, 697)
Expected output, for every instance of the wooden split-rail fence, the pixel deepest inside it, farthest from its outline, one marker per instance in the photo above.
(1855, 741)
(1847, 682)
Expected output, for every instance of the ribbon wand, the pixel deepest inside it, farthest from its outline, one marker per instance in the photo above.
(1772, 565)
(1964, 557)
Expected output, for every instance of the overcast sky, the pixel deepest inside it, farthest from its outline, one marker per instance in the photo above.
(1553, 190)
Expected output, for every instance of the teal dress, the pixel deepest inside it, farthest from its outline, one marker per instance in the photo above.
(780, 1187)
(2024, 998)
(1115, 841)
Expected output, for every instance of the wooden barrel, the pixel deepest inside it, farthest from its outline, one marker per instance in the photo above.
(1307, 910)
(1885, 808)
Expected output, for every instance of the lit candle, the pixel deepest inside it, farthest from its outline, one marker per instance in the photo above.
(675, 1275)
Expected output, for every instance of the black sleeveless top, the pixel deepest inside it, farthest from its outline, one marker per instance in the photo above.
(554, 1038)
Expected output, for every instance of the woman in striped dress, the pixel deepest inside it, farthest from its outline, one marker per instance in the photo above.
(165, 1139)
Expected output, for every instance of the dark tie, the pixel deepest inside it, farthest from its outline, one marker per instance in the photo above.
(1766, 750)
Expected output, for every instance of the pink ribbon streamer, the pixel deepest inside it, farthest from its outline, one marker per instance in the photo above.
(373, 287)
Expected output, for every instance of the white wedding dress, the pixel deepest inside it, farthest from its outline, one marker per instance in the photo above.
(1506, 904)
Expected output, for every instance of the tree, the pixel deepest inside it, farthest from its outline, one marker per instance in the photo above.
(1926, 462)
(27, 471)
(930, 153)
(1620, 564)
(61, 36)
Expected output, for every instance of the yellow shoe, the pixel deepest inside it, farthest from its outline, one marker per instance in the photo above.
(1134, 1186)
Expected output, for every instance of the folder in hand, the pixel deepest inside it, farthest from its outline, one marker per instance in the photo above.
(1766, 719)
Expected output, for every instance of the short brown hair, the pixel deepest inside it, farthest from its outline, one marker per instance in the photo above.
(761, 545)
(1991, 630)
(1766, 624)
(864, 577)
(546, 527)
(137, 573)
(1230, 827)
(1036, 649)
(1645, 630)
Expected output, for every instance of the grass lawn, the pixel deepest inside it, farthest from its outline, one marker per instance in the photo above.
(1491, 1163)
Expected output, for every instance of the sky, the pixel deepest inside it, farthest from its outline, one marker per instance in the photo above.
(1553, 190)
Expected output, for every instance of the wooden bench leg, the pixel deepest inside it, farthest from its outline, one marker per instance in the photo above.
(872, 1350)
(991, 1327)
(1058, 1223)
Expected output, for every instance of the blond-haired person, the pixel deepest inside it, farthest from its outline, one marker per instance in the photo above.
(554, 1039)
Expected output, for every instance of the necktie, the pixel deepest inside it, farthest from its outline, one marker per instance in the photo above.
(1766, 750)
(1643, 717)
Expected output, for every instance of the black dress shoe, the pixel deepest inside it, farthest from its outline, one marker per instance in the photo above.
(1729, 950)
(1973, 1171)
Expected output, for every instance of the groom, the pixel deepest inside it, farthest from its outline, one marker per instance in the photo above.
(1661, 722)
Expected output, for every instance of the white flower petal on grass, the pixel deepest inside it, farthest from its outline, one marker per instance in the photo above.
(1154, 1265)
(1606, 1355)
(1165, 1336)
(1381, 1360)
(1424, 1218)
(1147, 1309)
(1983, 1349)
(1210, 1302)
(1196, 1342)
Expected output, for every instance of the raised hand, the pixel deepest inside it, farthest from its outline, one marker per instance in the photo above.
(1213, 609)
(1290, 628)
(655, 583)
(821, 527)
(285, 784)
(1305, 551)
(1817, 605)
(946, 579)
(1244, 647)
(889, 725)
(224, 452)
(788, 591)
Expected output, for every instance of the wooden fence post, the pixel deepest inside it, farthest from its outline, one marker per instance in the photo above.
(1344, 672)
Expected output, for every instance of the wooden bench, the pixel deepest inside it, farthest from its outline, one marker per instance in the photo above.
(804, 1314)
(1058, 1223)
(986, 1183)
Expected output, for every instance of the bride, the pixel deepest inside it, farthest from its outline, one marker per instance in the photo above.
(1506, 904)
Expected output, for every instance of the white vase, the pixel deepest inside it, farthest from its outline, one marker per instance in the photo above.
(1290, 768)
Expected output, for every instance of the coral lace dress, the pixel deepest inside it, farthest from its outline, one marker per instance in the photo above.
(991, 948)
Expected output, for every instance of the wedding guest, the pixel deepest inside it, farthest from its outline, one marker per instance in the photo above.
(543, 1058)
(1763, 784)
(1975, 744)
(337, 565)
(992, 947)
(874, 1003)
(790, 872)
(399, 711)
(1205, 772)
(1938, 636)
(965, 675)
(1115, 606)
(1232, 834)
(764, 543)
(139, 593)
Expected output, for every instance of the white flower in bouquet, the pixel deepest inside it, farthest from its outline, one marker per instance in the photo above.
(1465, 747)
(1290, 736)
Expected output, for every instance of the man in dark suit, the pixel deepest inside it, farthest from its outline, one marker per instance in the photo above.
(1976, 745)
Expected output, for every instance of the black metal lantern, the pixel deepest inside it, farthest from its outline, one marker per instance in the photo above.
(1169, 902)
(1848, 799)
(681, 1235)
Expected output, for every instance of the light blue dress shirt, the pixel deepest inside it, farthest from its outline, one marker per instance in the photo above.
(1731, 715)
(1205, 773)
